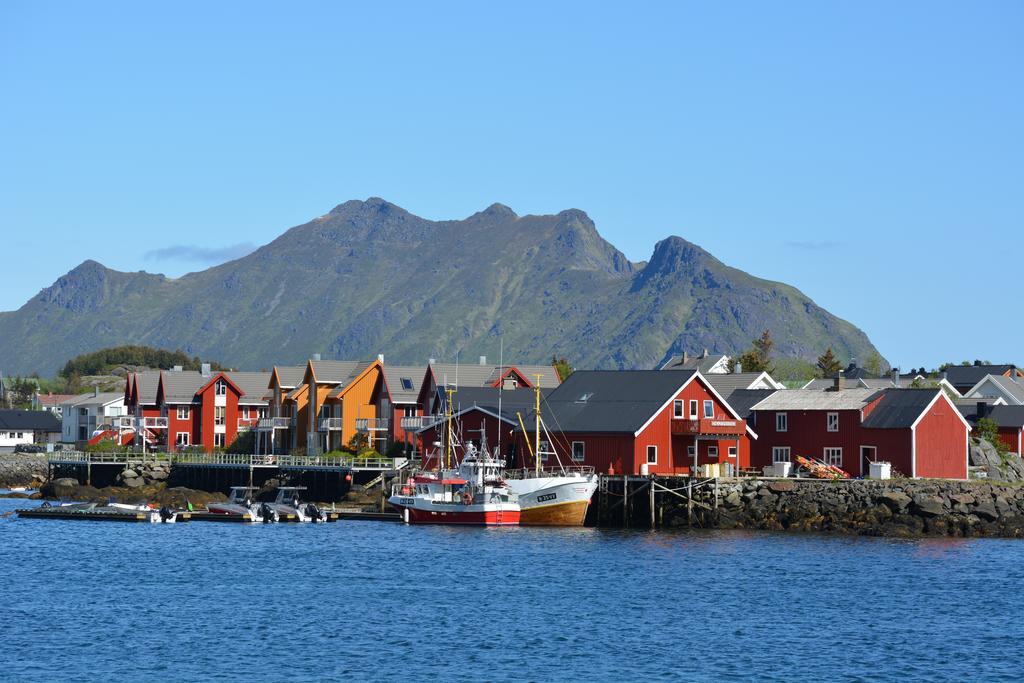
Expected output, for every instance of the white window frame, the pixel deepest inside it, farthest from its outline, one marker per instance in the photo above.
(832, 455)
(219, 436)
(678, 409)
(709, 409)
(712, 451)
(781, 454)
(221, 388)
(782, 422)
(220, 415)
(184, 412)
(245, 412)
(732, 452)
(832, 422)
(649, 461)
(693, 409)
(691, 451)
(180, 442)
(583, 451)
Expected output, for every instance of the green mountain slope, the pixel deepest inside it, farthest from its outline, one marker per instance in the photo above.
(370, 278)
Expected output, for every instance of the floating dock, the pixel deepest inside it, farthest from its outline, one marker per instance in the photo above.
(93, 514)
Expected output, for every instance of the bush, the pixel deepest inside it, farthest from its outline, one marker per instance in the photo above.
(106, 446)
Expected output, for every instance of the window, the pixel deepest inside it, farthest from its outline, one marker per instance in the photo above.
(691, 451)
(83, 412)
(545, 448)
(677, 409)
(579, 451)
(693, 410)
(832, 422)
(780, 454)
(732, 451)
(834, 456)
(409, 411)
(245, 413)
(712, 451)
(781, 422)
(181, 439)
(218, 440)
(218, 415)
(221, 388)
(652, 455)
(709, 409)
(407, 383)
(261, 412)
(509, 384)
(183, 412)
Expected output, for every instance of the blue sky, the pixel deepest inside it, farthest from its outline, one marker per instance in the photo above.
(869, 153)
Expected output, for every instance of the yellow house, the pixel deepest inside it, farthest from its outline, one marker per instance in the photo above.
(337, 394)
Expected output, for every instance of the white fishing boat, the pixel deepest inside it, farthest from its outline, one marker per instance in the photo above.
(550, 496)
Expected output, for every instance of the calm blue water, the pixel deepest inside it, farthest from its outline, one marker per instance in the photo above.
(87, 601)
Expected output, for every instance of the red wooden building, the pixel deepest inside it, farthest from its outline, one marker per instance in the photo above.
(643, 420)
(1009, 421)
(919, 431)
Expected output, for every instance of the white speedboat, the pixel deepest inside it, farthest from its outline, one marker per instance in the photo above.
(163, 515)
(290, 508)
(240, 504)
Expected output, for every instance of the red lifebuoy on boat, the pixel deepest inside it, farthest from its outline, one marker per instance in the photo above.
(467, 498)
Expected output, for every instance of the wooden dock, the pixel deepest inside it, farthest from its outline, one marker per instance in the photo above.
(93, 515)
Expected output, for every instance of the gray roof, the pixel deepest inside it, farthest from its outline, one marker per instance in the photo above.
(290, 375)
(398, 376)
(486, 375)
(29, 420)
(512, 400)
(1004, 416)
(255, 386)
(148, 381)
(726, 384)
(744, 400)
(811, 399)
(92, 398)
(701, 363)
(900, 408)
(969, 375)
(1009, 385)
(610, 400)
(180, 386)
(337, 371)
(353, 373)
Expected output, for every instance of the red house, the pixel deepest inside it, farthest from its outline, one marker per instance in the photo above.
(1009, 421)
(919, 431)
(141, 404)
(634, 421)
(396, 397)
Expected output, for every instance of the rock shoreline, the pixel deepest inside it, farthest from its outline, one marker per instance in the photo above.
(897, 508)
(23, 469)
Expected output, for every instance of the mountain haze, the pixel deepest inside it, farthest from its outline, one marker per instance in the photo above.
(369, 277)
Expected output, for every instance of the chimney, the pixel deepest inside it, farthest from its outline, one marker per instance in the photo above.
(96, 390)
(840, 382)
(686, 357)
(431, 361)
(895, 377)
(483, 360)
(705, 354)
(204, 369)
(177, 368)
(380, 358)
(738, 368)
(983, 409)
(316, 356)
(977, 363)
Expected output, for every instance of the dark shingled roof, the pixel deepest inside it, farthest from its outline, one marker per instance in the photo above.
(1004, 416)
(900, 408)
(743, 400)
(512, 400)
(29, 420)
(610, 400)
(969, 375)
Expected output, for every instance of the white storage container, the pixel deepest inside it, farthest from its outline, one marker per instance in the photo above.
(880, 470)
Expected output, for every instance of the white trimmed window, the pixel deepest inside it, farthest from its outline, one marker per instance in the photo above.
(678, 408)
(834, 456)
(652, 455)
(709, 409)
(579, 451)
(691, 451)
(732, 451)
(183, 412)
(181, 439)
(780, 453)
(693, 410)
(712, 451)
(219, 413)
(218, 440)
(832, 422)
(221, 388)
(245, 413)
(781, 422)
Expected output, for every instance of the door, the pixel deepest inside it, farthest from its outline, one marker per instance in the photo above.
(868, 454)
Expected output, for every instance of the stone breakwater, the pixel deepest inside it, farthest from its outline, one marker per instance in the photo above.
(22, 469)
(900, 508)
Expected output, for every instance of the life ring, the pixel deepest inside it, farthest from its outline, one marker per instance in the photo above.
(467, 498)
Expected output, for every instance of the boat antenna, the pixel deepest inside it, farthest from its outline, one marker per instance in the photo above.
(501, 386)
(450, 390)
(536, 427)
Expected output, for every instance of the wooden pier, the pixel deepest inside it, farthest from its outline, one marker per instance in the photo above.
(642, 501)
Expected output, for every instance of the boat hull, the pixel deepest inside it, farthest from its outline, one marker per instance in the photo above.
(554, 501)
(499, 514)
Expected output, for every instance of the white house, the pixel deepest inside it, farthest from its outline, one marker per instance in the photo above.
(992, 387)
(83, 414)
(27, 426)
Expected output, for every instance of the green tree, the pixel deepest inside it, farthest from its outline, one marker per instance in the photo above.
(828, 364)
(874, 364)
(988, 429)
(759, 357)
(22, 390)
(562, 367)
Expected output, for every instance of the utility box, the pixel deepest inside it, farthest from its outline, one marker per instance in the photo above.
(880, 470)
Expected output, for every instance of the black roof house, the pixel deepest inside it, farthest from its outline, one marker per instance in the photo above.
(964, 377)
(29, 421)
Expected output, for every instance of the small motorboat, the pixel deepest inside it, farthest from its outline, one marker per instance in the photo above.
(162, 515)
(240, 505)
(290, 508)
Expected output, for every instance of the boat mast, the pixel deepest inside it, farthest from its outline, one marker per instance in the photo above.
(536, 426)
(448, 420)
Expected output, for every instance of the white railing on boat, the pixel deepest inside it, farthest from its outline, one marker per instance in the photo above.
(530, 472)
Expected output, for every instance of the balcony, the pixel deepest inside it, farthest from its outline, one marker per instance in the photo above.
(247, 423)
(122, 422)
(154, 423)
(330, 424)
(271, 423)
(709, 426)
(372, 424)
(419, 421)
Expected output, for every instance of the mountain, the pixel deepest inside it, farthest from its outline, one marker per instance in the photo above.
(369, 277)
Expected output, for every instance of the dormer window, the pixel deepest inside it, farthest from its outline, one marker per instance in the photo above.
(406, 384)
(221, 388)
(509, 384)
(585, 397)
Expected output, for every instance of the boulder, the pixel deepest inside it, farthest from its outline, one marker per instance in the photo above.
(986, 510)
(896, 500)
(780, 486)
(930, 505)
(134, 482)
